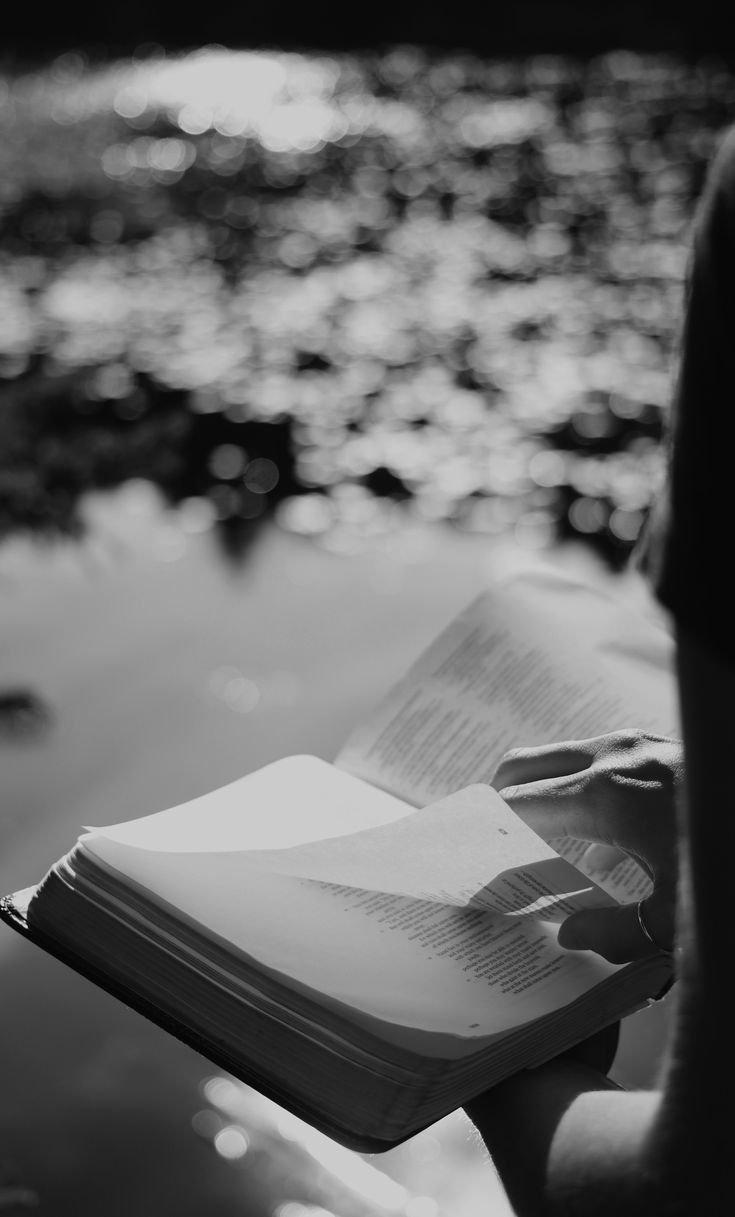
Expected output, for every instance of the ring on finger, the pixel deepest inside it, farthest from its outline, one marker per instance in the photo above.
(646, 931)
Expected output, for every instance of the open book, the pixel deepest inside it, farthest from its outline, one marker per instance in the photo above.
(372, 941)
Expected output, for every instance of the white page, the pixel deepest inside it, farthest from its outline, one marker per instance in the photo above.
(469, 849)
(296, 799)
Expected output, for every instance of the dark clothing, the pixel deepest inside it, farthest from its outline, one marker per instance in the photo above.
(688, 549)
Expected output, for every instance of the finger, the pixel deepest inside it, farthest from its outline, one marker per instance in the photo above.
(559, 807)
(600, 859)
(614, 933)
(544, 761)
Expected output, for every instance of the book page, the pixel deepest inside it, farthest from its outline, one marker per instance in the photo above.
(285, 803)
(537, 658)
(472, 953)
(470, 849)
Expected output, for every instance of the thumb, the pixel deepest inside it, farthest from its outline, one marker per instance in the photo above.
(614, 933)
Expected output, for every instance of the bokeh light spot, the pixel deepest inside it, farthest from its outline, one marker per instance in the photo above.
(231, 1142)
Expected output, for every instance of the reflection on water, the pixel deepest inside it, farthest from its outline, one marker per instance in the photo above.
(348, 289)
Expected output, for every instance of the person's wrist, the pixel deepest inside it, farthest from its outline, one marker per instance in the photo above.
(564, 1074)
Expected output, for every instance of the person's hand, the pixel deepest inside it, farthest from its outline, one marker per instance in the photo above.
(618, 790)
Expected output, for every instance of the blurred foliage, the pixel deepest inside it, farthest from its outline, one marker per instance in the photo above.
(344, 288)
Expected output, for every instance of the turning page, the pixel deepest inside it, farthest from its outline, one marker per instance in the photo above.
(443, 919)
(539, 657)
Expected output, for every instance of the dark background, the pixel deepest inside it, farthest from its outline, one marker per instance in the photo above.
(521, 26)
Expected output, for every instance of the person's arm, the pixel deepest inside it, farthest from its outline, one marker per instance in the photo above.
(565, 1141)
